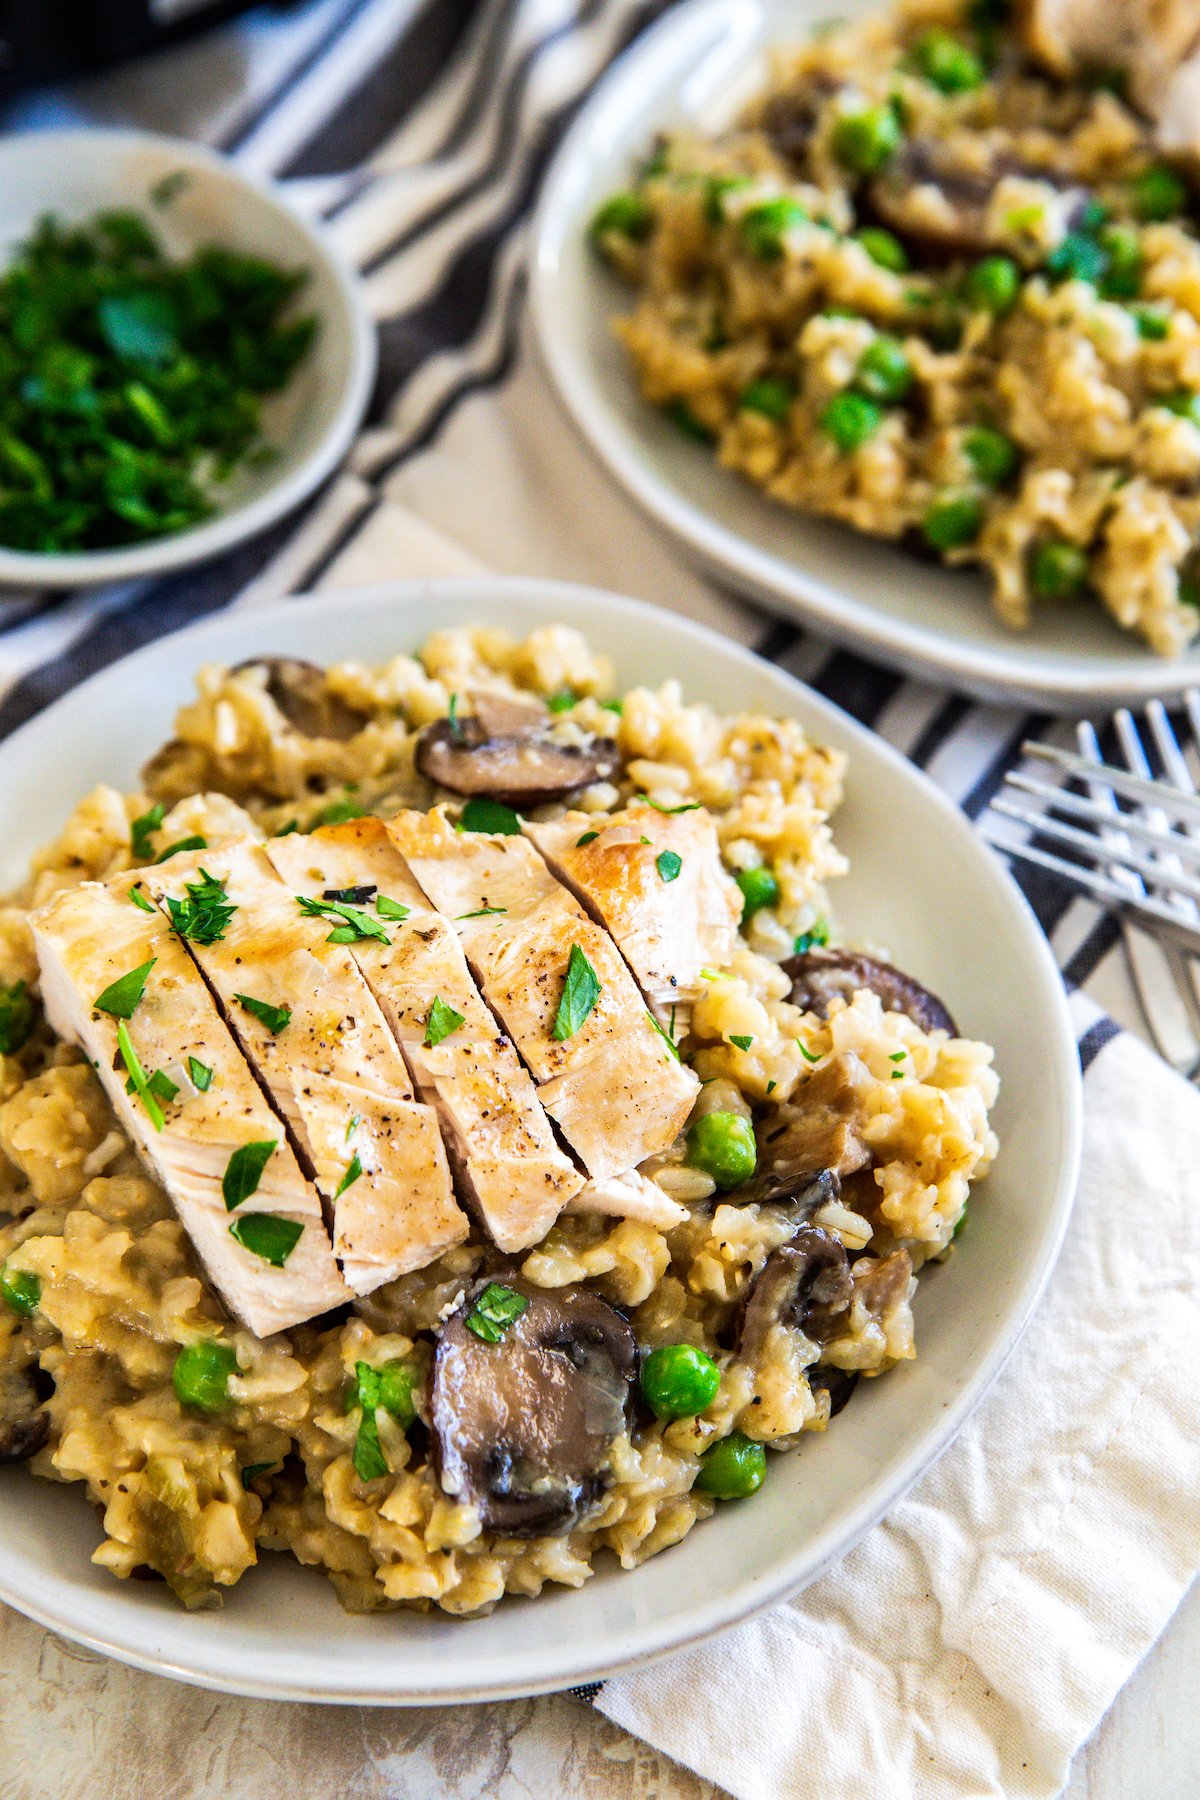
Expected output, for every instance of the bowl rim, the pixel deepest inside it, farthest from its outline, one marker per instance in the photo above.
(1063, 680)
(132, 1630)
(228, 528)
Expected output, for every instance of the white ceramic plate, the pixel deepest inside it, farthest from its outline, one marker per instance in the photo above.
(921, 882)
(76, 174)
(698, 65)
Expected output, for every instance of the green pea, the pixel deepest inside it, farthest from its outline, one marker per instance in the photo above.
(991, 454)
(863, 141)
(685, 420)
(1077, 258)
(733, 1469)
(20, 1291)
(759, 888)
(952, 521)
(1058, 570)
(201, 1375)
(1152, 324)
(884, 249)
(1184, 403)
(770, 396)
(1123, 277)
(850, 419)
(762, 227)
(722, 1144)
(679, 1381)
(397, 1383)
(1158, 193)
(884, 371)
(626, 215)
(993, 284)
(947, 63)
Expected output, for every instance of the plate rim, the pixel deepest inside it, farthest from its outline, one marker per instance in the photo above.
(575, 603)
(982, 670)
(227, 529)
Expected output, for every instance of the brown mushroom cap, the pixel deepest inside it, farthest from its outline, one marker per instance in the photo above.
(522, 1428)
(24, 1422)
(821, 976)
(804, 1285)
(520, 768)
(299, 691)
(905, 196)
(808, 1145)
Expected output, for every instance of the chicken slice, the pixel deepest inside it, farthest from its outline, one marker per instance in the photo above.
(89, 937)
(613, 1085)
(629, 1196)
(656, 882)
(322, 1048)
(501, 1144)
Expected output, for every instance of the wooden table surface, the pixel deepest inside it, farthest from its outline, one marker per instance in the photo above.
(77, 1727)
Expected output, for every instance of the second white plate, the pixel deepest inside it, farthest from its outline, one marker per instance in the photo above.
(697, 66)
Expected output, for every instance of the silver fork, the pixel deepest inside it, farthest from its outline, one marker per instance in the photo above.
(1134, 845)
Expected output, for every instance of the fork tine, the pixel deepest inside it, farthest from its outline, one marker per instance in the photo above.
(1151, 911)
(1148, 867)
(1129, 787)
(1094, 812)
(1173, 759)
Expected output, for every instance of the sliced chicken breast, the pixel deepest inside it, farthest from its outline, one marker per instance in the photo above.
(314, 1034)
(502, 1147)
(656, 881)
(605, 1073)
(89, 938)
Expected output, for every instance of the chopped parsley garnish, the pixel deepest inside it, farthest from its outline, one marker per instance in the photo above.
(771, 1086)
(589, 837)
(495, 1310)
(353, 1171)
(267, 1235)
(813, 939)
(143, 829)
(159, 1084)
(273, 1017)
(133, 382)
(390, 909)
(688, 805)
(613, 706)
(287, 830)
(897, 1074)
(644, 840)
(121, 997)
(668, 863)
(453, 719)
(338, 812)
(204, 916)
(140, 901)
(562, 701)
(200, 1073)
(897, 1055)
(352, 896)
(252, 1471)
(244, 1171)
(489, 815)
(187, 843)
(484, 912)
(138, 1077)
(581, 990)
(354, 922)
(806, 1054)
(369, 1461)
(666, 1037)
(16, 1018)
(353, 1126)
(743, 1043)
(441, 1022)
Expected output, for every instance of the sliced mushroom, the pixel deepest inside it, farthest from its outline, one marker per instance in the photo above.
(299, 691)
(1152, 42)
(807, 1147)
(522, 768)
(934, 197)
(839, 1384)
(24, 1422)
(822, 976)
(523, 1428)
(883, 1284)
(789, 118)
(804, 1285)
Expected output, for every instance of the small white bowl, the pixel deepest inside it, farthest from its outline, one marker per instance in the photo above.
(921, 882)
(312, 423)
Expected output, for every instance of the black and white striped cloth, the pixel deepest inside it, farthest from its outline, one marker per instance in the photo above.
(420, 132)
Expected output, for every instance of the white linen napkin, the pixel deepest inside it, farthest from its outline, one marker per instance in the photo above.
(972, 1641)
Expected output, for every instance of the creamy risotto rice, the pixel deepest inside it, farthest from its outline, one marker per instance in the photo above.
(103, 1290)
(927, 289)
